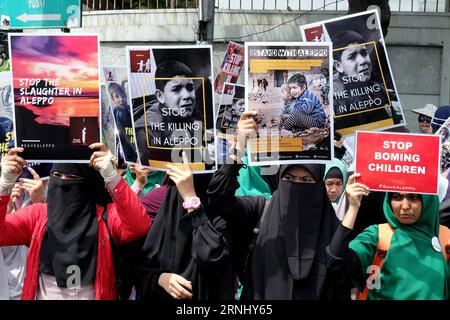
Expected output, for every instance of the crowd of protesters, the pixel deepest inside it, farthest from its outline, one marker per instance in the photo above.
(306, 231)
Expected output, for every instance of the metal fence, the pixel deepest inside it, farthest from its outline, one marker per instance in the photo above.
(289, 5)
(333, 5)
(89, 5)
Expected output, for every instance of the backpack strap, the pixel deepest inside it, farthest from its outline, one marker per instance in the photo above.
(444, 239)
(385, 232)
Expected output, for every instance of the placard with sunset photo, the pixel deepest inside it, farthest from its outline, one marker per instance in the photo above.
(56, 95)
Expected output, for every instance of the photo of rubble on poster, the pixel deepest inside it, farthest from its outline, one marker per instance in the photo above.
(173, 105)
(108, 125)
(231, 107)
(289, 85)
(116, 82)
(231, 66)
(365, 95)
(6, 114)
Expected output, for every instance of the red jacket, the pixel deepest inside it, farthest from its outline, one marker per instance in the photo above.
(127, 221)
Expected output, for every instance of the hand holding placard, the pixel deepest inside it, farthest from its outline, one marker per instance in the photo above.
(355, 191)
(246, 128)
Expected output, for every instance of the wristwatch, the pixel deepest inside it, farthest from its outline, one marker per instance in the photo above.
(192, 203)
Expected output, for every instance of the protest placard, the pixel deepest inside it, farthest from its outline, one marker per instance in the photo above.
(108, 125)
(398, 162)
(444, 133)
(231, 106)
(231, 66)
(116, 81)
(173, 107)
(289, 85)
(6, 114)
(4, 54)
(56, 96)
(364, 92)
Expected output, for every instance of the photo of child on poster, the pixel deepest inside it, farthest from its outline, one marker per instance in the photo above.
(365, 97)
(118, 99)
(108, 125)
(231, 66)
(56, 96)
(173, 105)
(231, 106)
(6, 114)
(289, 86)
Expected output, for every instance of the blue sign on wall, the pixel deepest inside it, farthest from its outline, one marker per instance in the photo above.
(40, 14)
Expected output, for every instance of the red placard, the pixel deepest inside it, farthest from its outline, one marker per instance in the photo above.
(398, 162)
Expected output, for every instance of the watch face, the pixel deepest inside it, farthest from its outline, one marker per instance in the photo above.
(192, 203)
(195, 202)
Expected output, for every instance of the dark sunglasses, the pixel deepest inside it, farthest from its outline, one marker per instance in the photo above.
(425, 119)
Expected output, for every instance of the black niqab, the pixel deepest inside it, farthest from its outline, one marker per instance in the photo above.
(71, 237)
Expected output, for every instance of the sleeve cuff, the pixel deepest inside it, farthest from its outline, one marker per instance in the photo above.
(199, 218)
(339, 243)
(137, 190)
(5, 190)
(113, 183)
(232, 169)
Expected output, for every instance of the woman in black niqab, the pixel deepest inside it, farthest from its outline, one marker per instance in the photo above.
(288, 261)
(71, 234)
(288, 258)
(191, 245)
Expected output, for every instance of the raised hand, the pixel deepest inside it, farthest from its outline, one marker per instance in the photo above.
(355, 190)
(183, 178)
(246, 128)
(12, 167)
(141, 174)
(35, 187)
(103, 161)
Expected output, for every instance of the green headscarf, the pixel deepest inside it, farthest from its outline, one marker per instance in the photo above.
(412, 269)
(336, 163)
(153, 178)
(251, 183)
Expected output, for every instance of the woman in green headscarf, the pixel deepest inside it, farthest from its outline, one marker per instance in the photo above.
(335, 180)
(414, 266)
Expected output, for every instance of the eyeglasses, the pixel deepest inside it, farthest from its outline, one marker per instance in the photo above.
(424, 119)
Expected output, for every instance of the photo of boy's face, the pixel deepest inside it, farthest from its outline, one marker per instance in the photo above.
(178, 97)
(296, 90)
(118, 99)
(239, 106)
(355, 61)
